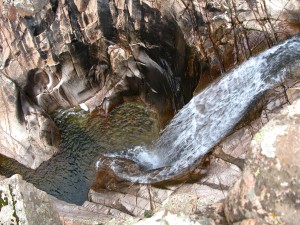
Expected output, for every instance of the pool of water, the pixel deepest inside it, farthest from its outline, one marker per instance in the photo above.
(68, 174)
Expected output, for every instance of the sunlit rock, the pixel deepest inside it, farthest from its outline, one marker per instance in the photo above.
(268, 191)
(22, 203)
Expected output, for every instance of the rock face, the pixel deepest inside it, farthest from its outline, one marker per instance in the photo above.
(64, 53)
(22, 203)
(268, 191)
(28, 134)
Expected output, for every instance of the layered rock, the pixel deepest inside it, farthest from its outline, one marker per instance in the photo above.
(22, 203)
(268, 191)
(28, 134)
(64, 53)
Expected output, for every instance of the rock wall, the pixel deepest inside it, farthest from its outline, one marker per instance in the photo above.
(63, 53)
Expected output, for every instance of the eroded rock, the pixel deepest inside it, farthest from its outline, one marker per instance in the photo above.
(268, 192)
(28, 134)
(22, 203)
(90, 214)
(102, 53)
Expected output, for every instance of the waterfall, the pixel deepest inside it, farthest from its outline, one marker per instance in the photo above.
(209, 116)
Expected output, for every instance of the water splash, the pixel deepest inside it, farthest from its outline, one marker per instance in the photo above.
(209, 116)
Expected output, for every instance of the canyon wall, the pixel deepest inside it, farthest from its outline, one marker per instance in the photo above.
(101, 53)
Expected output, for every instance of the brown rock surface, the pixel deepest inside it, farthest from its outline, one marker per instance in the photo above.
(63, 53)
(268, 192)
(27, 133)
(22, 203)
(90, 214)
(258, 198)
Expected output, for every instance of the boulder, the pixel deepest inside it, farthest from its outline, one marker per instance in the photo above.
(22, 203)
(268, 191)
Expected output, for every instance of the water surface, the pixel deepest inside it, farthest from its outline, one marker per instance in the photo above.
(68, 174)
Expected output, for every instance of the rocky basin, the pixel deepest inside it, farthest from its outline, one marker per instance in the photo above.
(100, 54)
(57, 54)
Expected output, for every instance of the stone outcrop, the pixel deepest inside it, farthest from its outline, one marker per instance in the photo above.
(22, 203)
(91, 214)
(101, 53)
(28, 134)
(268, 191)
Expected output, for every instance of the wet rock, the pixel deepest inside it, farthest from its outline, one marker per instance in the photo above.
(185, 193)
(268, 191)
(199, 191)
(22, 203)
(134, 199)
(102, 53)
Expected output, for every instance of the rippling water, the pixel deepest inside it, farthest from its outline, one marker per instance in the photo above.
(129, 130)
(68, 174)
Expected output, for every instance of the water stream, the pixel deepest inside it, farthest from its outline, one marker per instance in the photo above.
(130, 130)
(209, 116)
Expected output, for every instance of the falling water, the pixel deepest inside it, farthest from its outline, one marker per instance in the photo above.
(209, 116)
(198, 127)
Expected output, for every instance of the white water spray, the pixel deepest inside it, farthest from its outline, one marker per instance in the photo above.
(210, 115)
